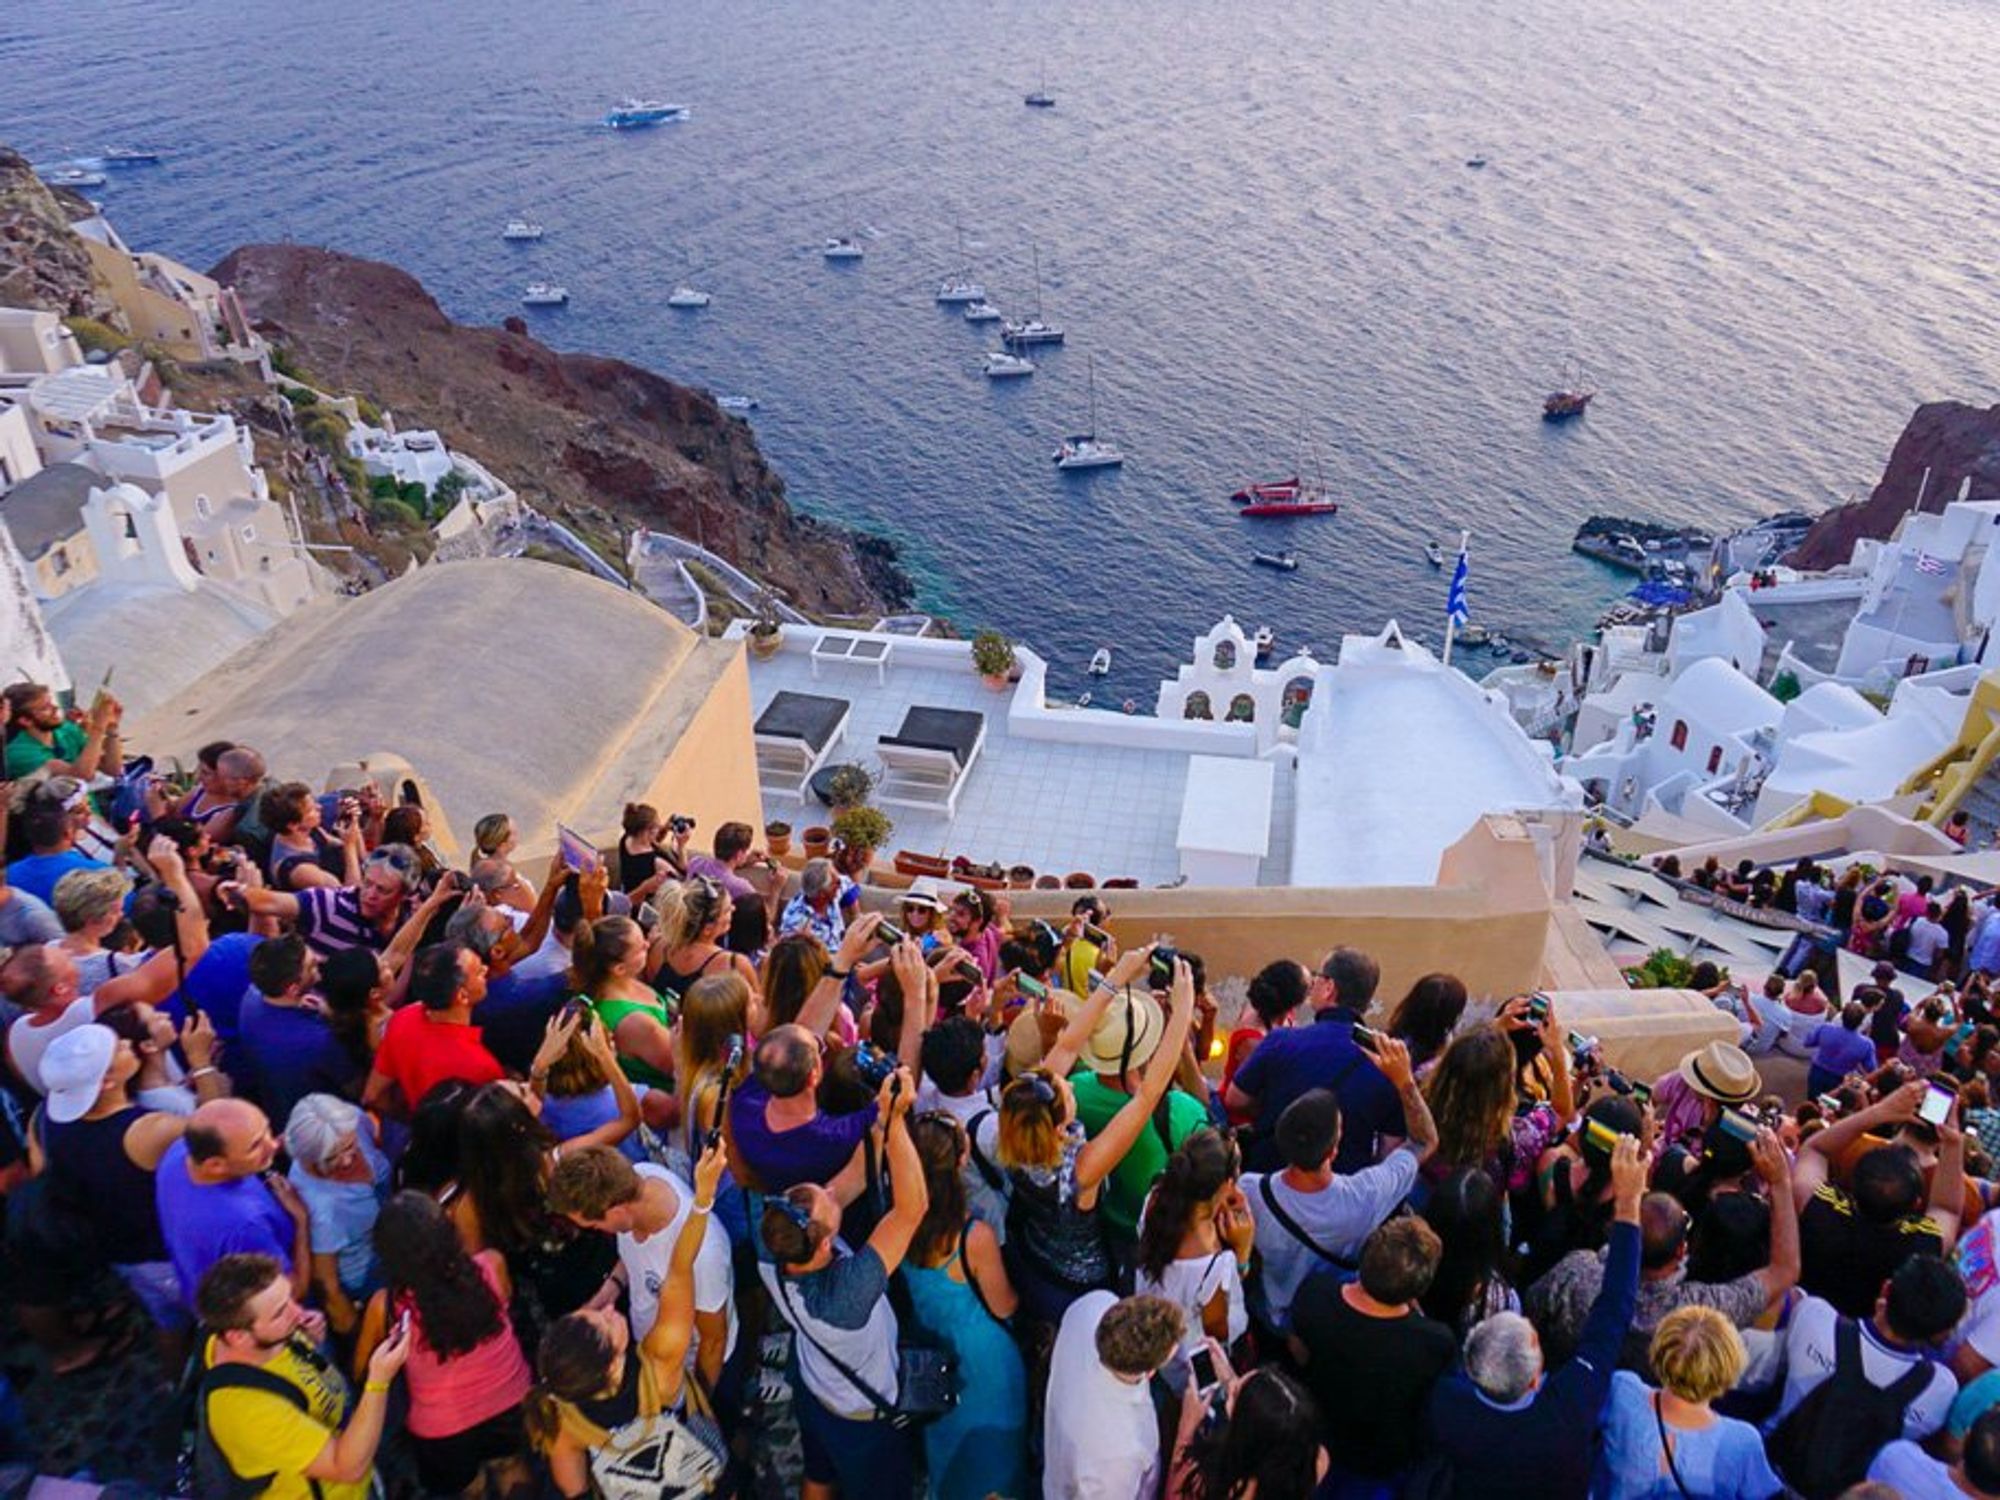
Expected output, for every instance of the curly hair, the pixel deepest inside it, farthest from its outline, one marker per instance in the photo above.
(1471, 1095)
(424, 1260)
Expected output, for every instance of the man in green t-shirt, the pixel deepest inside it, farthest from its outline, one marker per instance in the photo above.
(1109, 1070)
(40, 734)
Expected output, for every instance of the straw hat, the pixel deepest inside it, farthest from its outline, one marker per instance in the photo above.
(1024, 1035)
(1128, 1035)
(923, 891)
(1722, 1072)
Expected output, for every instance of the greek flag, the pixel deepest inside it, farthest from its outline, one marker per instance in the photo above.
(1456, 604)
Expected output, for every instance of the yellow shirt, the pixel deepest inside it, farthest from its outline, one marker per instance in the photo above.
(260, 1433)
(1079, 962)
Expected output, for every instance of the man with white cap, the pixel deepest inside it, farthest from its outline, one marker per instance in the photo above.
(1692, 1097)
(102, 1151)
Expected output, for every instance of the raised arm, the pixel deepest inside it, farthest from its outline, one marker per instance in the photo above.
(820, 1007)
(1102, 1154)
(536, 930)
(1610, 1317)
(665, 1347)
(1062, 1056)
(1392, 1060)
(404, 944)
(159, 976)
(598, 1044)
(1948, 1181)
(909, 1198)
(919, 988)
(1816, 1157)
(1782, 1274)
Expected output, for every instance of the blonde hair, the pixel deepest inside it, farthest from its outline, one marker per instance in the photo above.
(1697, 1353)
(490, 832)
(85, 896)
(1031, 1121)
(714, 1008)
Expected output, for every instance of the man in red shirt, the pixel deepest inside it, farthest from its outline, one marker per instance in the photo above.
(433, 1039)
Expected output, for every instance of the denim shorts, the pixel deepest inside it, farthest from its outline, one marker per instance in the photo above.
(158, 1289)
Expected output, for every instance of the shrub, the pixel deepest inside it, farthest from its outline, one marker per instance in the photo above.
(1785, 687)
(992, 654)
(1663, 969)
(298, 396)
(849, 784)
(383, 486)
(325, 429)
(414, 495)
(862, 827)
(445, 494)
(368, 410)
(93, 336)
(393, 512)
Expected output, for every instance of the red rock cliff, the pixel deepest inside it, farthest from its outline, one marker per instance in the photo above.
(1952, 441)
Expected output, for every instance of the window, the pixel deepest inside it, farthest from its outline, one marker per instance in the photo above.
(1197, 707)
(249, 532)
(131, 526)
(59, 562)
(1242, 709)
(1225, 655)
(1679, 738)
(1715, 760)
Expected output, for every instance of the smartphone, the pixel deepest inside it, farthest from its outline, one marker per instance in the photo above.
(889, 932)
(573, 1008)
(1538, 1008)
(1938, 1099)
(1829, 1105)
(1201, 1364)
(403, 1325)
(1367, 1038)
(1642, 1093)
(1736, 1123)
(1027, 984)
(1092, 930)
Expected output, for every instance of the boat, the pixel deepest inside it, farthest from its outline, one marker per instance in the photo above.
(1277, 489)
(1434, 553)
(544, 294)
(1083, 699)
(1500, 644)
(1284, 562)
(1470, 634)
(1475, 162)
(1568, 400)
(1100, 662)
(737, 404)
(841, 247)
(686, 296)
(1041, 98)
(130, 156)
(71, 177)
(981, 311)
(1520, 658)
(1086, 450)
(1000, 365)
(959, 287)
(1014, 332)
(636, 114)
(522, 230)
(1264, 641)
(1310, 503)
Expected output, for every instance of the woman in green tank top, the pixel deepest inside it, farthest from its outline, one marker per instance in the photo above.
(608, 957)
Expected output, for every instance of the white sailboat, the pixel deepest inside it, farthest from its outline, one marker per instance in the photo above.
(981, 311)
(544, 294)
(1086, 450)
(686, 294)
(960, 287)
(1019, 332)
(1000, 365)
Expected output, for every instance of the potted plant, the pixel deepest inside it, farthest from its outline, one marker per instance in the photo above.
(845, 785)
(862, 827)
(993, 657)
(1020, 877)
(819, 839)
(765, 635)
(778, 838)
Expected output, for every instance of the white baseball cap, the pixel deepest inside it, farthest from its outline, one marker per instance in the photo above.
(73, 1070)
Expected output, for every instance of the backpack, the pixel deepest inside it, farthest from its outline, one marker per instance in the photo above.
(1831, 1437)
(213, 1477)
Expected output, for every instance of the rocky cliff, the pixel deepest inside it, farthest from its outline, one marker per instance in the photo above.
(42, 264)
(1950, 442)
(576, 434)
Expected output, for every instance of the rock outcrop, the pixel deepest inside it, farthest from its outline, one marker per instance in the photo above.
(43, 264)
(573, 433)
(1945, 444)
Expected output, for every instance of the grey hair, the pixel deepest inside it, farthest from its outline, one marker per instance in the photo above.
(240, 762)
(817, 877)
(1503, 1357)
(400, 858)
(468, 925)
(491, 873)
(318, 1124)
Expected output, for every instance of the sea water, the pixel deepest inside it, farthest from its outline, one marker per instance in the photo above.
(1764, 229)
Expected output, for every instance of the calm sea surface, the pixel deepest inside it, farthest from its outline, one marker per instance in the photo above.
(1766, 230)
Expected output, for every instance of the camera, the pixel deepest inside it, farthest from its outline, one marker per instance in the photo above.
(889, 932)
(1163, 962)
(873, 1064)
(681, 823)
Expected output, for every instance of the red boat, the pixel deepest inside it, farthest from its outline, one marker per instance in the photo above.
(1281, 489)
(1301, 505)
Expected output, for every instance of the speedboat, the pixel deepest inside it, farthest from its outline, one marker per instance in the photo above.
(71, 177)
(1284, 562)
(1303, 505)
(1026, 331)
(1475, 162)
(840, 248)
(1434, 553)
(1100, 662)
(956, 289)
(130, 156)
(522, 230)
(544, 294)
(686, 296)
(1087, 451)
(1470, 634)
(1277, 489)
(634, 114)
(1000, 365)
(981, 311)
(737, 404)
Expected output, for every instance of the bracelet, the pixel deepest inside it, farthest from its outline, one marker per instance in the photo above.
(700, 1208)
(376, 1388)
(833, 973)
(202, 1072)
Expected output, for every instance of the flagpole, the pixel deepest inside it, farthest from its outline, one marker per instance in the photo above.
(1450, 614)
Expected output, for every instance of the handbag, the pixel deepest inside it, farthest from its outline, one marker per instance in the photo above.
(926, 1375)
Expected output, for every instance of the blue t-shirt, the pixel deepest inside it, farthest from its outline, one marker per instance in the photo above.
(217, 983)
(340, 1217)
(1721, 1462)
(515, 1014)
(38, 873)
(572, 1115)
(1837, 1050)
(1296, 1060)
(289, 1052)
(203, 1222)
(1913, 1473)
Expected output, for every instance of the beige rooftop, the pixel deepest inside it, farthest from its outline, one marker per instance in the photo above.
(510, 685)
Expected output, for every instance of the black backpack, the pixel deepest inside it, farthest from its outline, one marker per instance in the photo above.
(1831, 1437)
(213, 1477)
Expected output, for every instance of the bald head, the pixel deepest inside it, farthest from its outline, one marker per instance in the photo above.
(785, 1060)
(238, 771)
(42, 978)
(1663, 1231)
(229, 1139)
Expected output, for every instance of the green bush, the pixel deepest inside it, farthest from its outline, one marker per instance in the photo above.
(415, 496)
(382, 486)
(298, 396)
(93, 336)
(395, 513)
(369, 411)
(325, 429)
(1785, 687)
(862, 827)
(283, 361)
(1663, 969)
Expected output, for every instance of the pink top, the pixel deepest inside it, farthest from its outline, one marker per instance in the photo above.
(448, 1397)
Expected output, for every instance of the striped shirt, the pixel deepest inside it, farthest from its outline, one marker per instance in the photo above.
(330, 920)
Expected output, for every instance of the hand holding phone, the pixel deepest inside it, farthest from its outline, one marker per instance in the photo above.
(1939, 1096)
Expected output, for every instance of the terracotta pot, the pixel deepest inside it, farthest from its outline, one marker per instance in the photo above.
(1021, 878)
(982, 882)
(818, 841)
(763, 647)
(1079, 880)
(1048, 882)
(910, 863)
(998, 682)
(778, 839)
(1122, 883)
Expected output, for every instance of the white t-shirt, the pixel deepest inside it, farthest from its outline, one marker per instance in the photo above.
(1191, 1284)
(1098, 1432)
(1913, 1473)
(1338, 1218)
(27, 1043)
(987, 1202)
(646, 1263)
(1927, 940)
(1809, 1360)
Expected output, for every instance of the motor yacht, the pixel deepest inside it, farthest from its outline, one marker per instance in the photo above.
(636, 114)
(522, 230)
(1000, 365)
(981, 311)
(737, 404)
(130, 156)
(71, 177)
(544, 294)
(841, 247)
(687, 296)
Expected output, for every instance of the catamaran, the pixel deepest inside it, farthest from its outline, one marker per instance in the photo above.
(841, 247)
(1086, 450)
(1016, 332)
(1000, 365)
(522, 230)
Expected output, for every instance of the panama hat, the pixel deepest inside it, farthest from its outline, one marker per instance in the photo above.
(1024, 1034)
(1128, 1035)
(73, 1070)
(1722, 1072)
(923, 891)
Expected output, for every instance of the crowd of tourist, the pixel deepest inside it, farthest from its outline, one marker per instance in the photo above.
(452, 1182)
